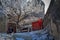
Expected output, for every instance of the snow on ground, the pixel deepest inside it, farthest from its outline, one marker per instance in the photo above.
(34, 35)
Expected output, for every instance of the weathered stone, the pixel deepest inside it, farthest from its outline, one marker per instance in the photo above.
(53, 17)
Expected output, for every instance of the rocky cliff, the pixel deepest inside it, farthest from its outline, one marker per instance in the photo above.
(52, 19)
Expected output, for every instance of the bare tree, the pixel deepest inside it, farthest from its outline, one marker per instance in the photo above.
(18, 16)
(18, 10)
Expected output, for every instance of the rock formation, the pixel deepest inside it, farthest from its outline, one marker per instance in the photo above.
(52, 18)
